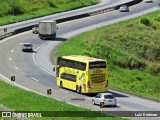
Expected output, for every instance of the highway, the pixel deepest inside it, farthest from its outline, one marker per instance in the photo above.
(34, 70)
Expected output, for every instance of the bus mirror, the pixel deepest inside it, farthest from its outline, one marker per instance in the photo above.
(54, 69)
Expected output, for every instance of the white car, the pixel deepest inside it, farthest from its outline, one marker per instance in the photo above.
(27, 47)
(107, 98)
(124, 8)
(148, 1)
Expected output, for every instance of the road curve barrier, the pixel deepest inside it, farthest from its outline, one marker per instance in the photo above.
(102, 11)
(115, 7)
(6, 35)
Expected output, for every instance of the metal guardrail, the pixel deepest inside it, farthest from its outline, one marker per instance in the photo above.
(115, 7)
(102, 11)
(6, 35)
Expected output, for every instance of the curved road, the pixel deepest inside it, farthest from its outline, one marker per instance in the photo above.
(26, 66)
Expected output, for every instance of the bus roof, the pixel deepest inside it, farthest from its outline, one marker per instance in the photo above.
(82, 58)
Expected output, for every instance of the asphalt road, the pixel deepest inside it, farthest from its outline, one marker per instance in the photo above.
(34, 70)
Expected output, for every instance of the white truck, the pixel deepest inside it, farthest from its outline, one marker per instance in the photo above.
(47, 29)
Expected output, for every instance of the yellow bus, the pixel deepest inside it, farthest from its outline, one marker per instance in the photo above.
(82, 73)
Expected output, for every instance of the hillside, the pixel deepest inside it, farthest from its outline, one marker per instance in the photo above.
(18, 10)
(132, 49)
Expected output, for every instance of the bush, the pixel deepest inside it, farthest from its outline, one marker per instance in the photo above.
(153, 68)
(145, 21)
(134, 63)
(98, 50)
(130, 25)
(158, 18)
(122, 61)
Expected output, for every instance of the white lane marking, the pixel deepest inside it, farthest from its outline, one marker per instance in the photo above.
(12, 51)
(86, 21)
(35, 79)
(140, 104)
(63, 91)
(16, 68)
(10, 59)
(20, 43)
(35, 37)
(37, 63)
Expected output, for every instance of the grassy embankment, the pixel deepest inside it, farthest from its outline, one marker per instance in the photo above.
(18, 10)
(18, 99)
(132, 49)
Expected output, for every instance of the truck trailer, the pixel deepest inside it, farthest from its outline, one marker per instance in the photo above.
(47, 29)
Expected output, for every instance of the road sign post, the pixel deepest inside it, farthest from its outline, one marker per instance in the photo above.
(5, 29)
(13, 80)
(49, 92)
(101, 106)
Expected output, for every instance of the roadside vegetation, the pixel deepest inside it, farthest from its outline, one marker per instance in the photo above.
(132, 49)
(18, 10)
(18, 99)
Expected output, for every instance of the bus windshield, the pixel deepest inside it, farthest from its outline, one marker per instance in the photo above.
(97, 64)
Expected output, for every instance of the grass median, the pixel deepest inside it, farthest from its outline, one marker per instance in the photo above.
(18, 99)
(132, 49)
(12, 11)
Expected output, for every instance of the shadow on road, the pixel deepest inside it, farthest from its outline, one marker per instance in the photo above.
(56, 39)
(30, 51)
(117, 94)
(114, 93)
(109, 106)
(60, 39)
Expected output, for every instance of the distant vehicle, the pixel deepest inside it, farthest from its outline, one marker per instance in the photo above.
(124, 8)
(82, 74)
(47, 29)
(107, 98)
(26, 47)
(148, 1)
(35, 29)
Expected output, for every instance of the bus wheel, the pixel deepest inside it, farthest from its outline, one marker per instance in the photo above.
(61, 85)
(77, 89)
(54, 36)
(80, 90)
